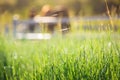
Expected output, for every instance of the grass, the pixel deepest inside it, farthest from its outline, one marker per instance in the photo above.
(83, 56)
(93, 56)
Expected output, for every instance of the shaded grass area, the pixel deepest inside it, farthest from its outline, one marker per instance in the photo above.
(85, 56)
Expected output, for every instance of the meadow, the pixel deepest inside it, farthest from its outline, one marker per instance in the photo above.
(91, 51)
(76, 56)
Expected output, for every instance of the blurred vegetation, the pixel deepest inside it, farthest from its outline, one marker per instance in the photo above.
(78, 7)
(85, 56)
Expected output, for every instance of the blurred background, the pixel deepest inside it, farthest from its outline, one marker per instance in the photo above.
(81, 8)
(76, 7)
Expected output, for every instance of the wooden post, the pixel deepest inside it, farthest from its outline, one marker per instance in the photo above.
(15, 23)
(6, 30)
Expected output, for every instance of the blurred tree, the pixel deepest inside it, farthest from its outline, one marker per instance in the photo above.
(23, 3)
(98, 6)
(114, 7)
(6, 7)
(11, 5)
(11, 2)
(76, 5)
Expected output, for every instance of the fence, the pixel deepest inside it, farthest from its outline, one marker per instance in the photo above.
(20, 27)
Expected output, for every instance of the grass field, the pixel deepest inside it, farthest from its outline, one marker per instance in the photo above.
(83, 56)
(91, 51)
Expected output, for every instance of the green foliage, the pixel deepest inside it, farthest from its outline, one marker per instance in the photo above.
(80, 57)
(3, 60)
(79, 7)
